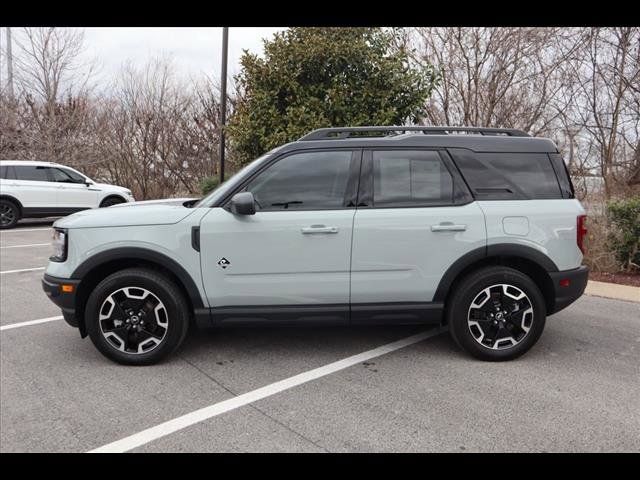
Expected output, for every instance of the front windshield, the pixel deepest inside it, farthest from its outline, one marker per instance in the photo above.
(230, 182)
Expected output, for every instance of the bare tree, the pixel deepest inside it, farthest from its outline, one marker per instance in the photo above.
(496, 77)
(159, 134)
(605, 103)
(49, 65)
(49, 118)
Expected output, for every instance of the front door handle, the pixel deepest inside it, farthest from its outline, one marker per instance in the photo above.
(319, 229)
(448, 227)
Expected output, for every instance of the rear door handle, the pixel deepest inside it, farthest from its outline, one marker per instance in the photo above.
(448, 227)
(319, 229)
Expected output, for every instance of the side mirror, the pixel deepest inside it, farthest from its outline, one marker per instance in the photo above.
(243, 204)
(88, 183)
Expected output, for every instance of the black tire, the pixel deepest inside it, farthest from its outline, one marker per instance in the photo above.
(9, 214)
(176, 316)
(476, 338)
(107, 202)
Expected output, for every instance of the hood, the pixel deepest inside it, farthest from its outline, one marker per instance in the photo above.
(110, 188)
(127, 214)
(163, 201)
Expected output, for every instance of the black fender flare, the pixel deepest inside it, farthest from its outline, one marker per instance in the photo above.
(138, 253)
(113, 195)
(498, 250)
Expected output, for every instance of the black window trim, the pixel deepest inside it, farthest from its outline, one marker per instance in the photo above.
(352, 182)
(461, 194)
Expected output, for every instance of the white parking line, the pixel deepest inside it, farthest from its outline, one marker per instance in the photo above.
(23, 270)
(29, 245)
(171, 426)
(30, 322)
(25, 230)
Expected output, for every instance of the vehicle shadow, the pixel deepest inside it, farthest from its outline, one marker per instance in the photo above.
(35, 222)
(292, 341)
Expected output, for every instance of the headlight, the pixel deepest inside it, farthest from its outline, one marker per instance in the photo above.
(60, 244)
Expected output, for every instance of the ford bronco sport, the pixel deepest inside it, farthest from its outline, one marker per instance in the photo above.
(476, 228)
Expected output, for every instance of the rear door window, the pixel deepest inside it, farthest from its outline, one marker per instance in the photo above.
(31, 173)
(410, 178)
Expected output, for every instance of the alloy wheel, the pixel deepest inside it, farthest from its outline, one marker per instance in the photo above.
(133, 320)
(500, 316)
(7, 214)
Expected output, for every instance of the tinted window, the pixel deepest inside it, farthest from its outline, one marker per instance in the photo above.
(563, 175)
(64, 175)
(9, 172)
(509, 175)
(3, 172)
(312, 180)
(38, 174)
(410, 178)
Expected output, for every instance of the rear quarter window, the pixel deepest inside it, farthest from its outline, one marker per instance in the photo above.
(563, 175)
(503, 176)
(7, 172)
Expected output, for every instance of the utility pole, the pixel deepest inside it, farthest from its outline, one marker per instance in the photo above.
(9, 65)
(1, 84)
(223, 97)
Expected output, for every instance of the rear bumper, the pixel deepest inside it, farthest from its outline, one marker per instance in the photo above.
(52, 286)
(568, 286)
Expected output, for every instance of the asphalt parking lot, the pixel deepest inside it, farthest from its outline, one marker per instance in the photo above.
(578, 389)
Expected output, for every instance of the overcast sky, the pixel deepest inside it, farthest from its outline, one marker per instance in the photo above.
(194, 50)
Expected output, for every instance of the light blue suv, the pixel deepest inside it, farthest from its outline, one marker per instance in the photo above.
(476, 228)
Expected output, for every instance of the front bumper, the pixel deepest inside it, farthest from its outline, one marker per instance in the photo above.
(52, 286)
(568, 286)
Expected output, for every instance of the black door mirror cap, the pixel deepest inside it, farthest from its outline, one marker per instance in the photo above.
(243, 203)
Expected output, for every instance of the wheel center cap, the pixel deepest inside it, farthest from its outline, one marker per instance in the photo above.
(499, 316)
(134, 320)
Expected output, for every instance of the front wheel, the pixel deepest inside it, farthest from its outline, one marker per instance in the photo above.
(136, 316)
(496, 313)
(109, 201)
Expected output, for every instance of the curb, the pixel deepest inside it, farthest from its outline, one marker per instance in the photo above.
(613, 290)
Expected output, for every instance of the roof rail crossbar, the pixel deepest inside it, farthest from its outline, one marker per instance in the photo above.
(346, 132)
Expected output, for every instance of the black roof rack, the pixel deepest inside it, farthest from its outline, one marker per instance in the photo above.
(346, 132)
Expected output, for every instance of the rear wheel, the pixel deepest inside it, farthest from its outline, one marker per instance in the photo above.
(136, 316)
(496, 313)
(9, 214)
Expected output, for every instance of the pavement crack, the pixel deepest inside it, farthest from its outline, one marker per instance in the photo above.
(272, 418)
(292, 430)
(221, 385)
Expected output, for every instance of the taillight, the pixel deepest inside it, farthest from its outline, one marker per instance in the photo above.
(581, 232)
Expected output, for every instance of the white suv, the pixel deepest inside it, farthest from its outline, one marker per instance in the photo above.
(42, 189)
(475, 228)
